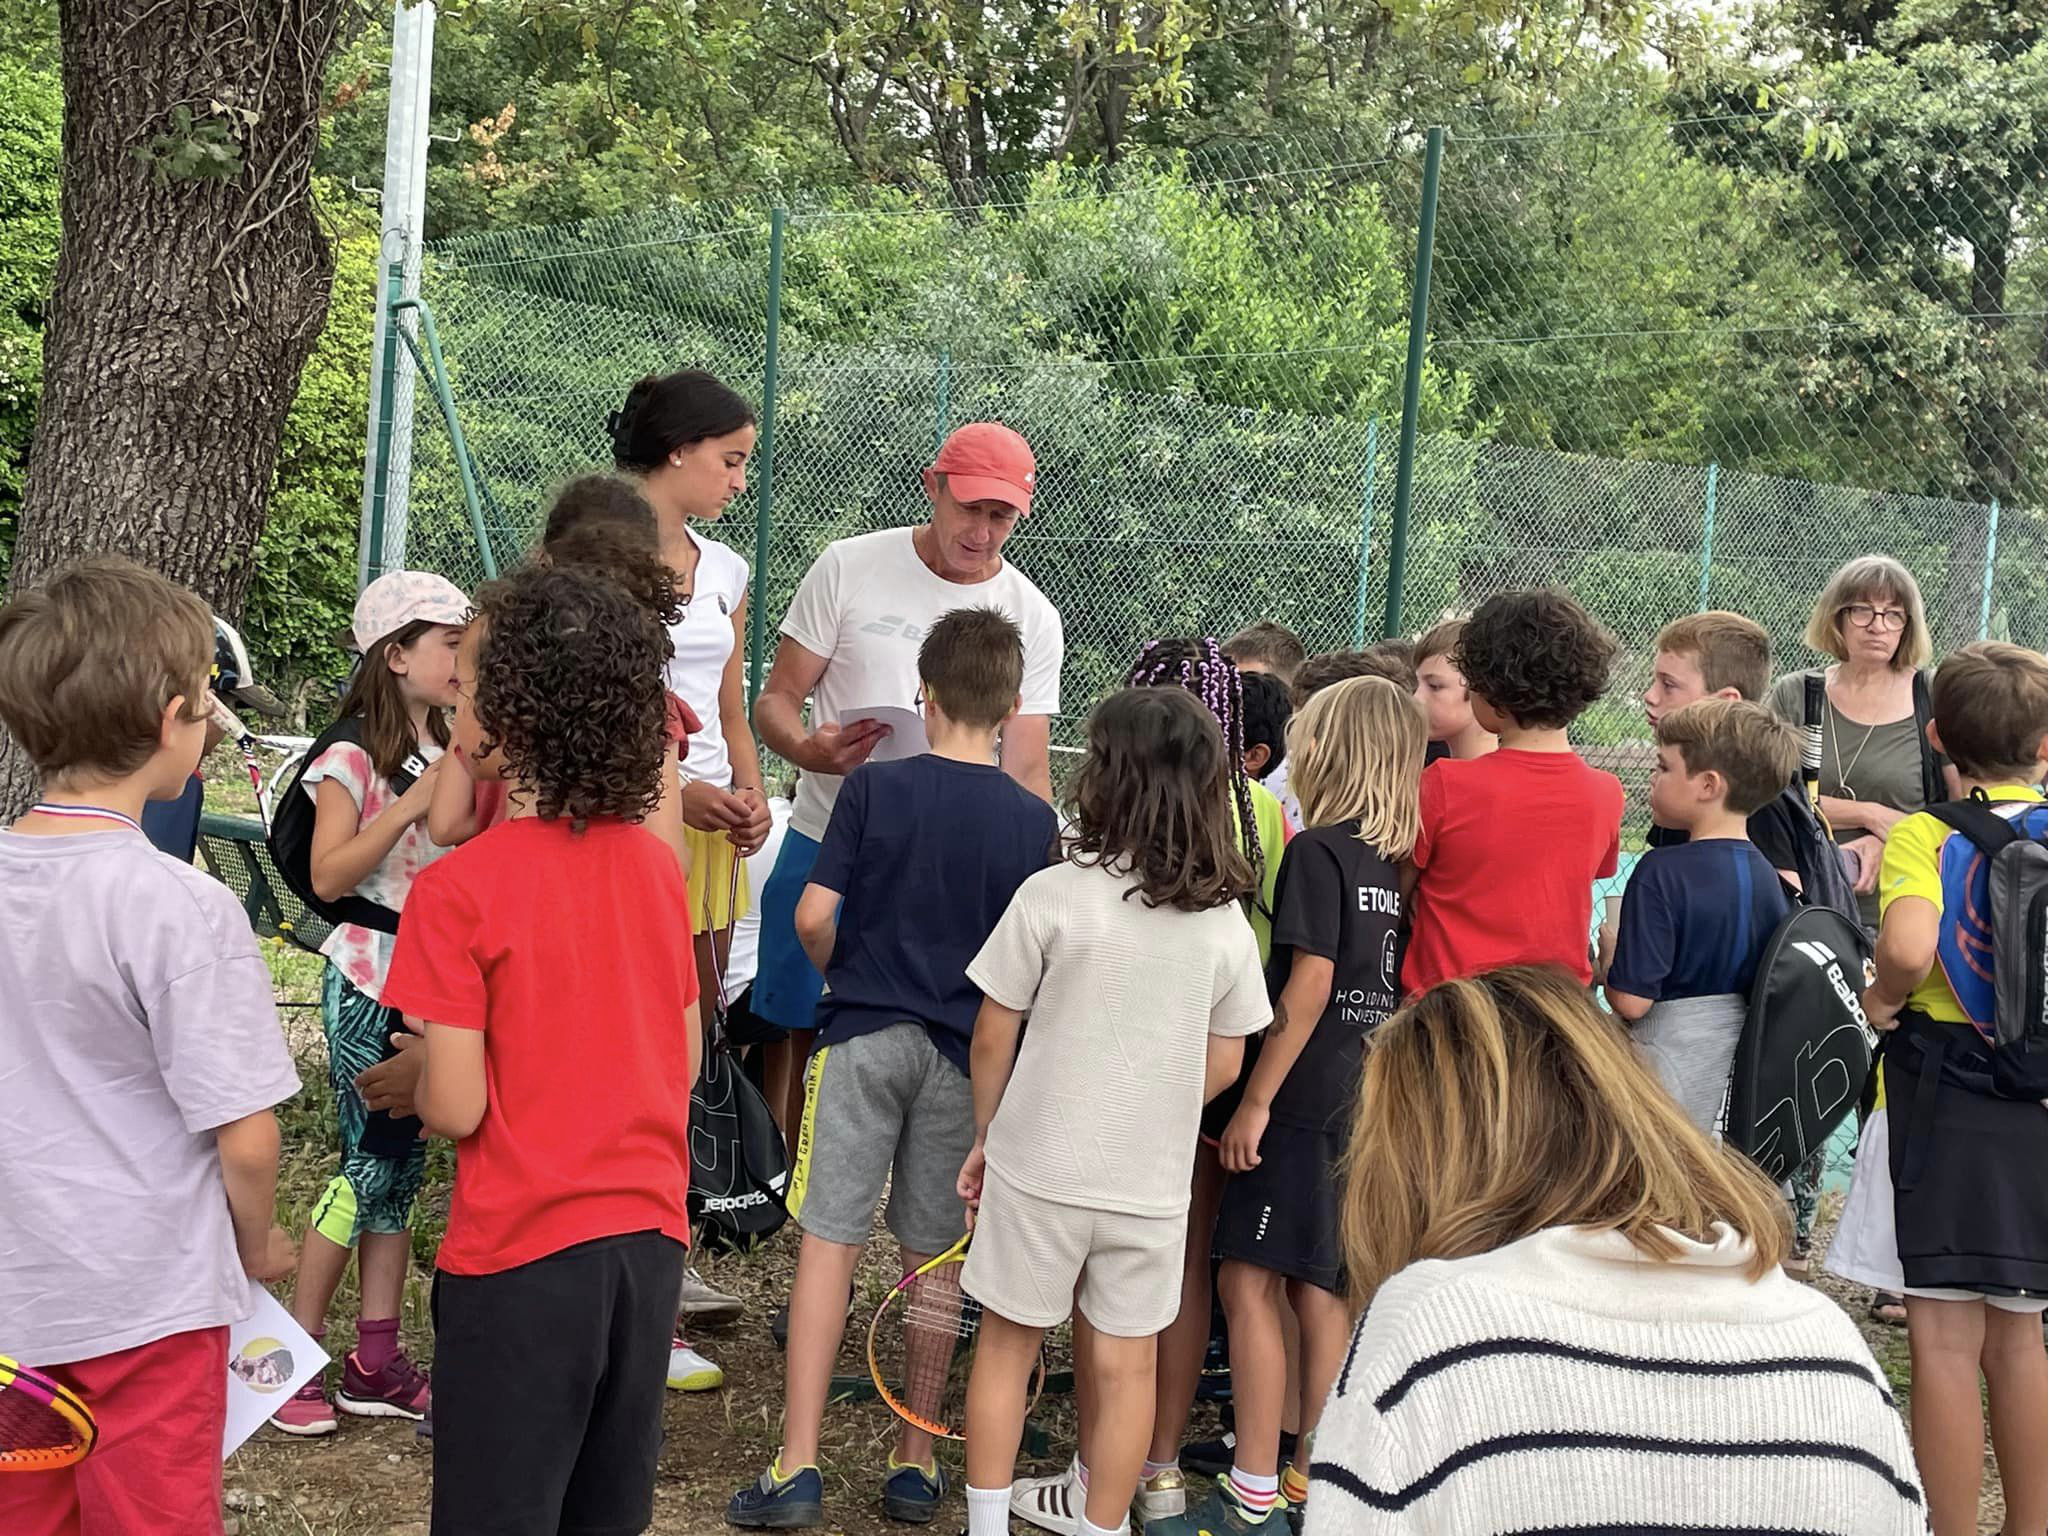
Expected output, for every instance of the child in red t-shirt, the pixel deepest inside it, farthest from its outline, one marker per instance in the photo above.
(1513, 841)
(557, 1001)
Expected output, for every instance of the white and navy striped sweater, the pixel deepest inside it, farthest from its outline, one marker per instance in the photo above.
(1566, 1384)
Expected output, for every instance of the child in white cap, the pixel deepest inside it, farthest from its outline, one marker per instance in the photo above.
(371, 781)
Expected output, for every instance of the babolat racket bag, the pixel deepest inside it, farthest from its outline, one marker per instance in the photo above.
(1804, 1050)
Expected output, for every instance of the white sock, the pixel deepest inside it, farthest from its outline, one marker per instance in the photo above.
(1257, 1494)
(1081, 1473)
(988, 1511)
(1086, 1529)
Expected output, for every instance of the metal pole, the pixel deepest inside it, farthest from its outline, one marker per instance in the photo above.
(1990, 560)
(1411, 394)
(387, 462)
(945, 400)
(437, 378)
(1707, 535)
(377, 473)
(1372, 464)
(764, 515)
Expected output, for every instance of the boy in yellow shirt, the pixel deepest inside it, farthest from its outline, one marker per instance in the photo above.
(1948, 1203)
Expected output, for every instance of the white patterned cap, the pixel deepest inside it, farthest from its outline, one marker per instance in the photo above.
(399, 598)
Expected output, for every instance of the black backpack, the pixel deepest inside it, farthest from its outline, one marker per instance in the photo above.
(739, 1163)
(1804, 1052)
(2015, 847)
(291, 834)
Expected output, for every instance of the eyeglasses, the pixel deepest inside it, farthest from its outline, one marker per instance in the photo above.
(1863, 616)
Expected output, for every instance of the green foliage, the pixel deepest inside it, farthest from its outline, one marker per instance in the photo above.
(30, 123)
(206, 148)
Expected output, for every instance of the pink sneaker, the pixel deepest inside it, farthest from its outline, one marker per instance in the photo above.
(306, 1412)
(399, 1391)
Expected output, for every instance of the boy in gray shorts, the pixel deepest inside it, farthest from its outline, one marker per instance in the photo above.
(920, 859)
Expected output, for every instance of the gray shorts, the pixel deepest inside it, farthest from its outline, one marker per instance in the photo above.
(1689, 1042)
(884, 1109)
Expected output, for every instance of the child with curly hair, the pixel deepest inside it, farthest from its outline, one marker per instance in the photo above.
(557, 1010)
(1512, 842)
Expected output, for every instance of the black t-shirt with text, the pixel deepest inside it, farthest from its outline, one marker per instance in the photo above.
(1341, 900)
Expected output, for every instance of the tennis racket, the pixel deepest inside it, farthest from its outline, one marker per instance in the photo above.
(43, 1426)
(921, 1347)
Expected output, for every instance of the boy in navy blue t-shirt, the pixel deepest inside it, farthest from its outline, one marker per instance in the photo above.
(921, 858)
(1698, 914)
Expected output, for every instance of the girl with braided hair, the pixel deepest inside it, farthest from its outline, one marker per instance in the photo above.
(1200, 667)
(1053, 1503)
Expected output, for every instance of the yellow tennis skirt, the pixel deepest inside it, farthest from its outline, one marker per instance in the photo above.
(715, 902)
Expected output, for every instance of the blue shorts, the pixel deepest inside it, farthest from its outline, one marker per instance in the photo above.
(786, 984)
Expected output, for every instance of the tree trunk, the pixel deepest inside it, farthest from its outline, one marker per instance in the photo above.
(184, 304)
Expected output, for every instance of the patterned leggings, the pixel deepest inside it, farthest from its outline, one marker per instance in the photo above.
(371, 1193)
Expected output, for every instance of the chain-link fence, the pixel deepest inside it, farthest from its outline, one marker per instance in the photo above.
(1672, 361)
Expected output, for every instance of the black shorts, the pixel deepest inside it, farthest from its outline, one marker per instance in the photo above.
(548, 1386)
(1283, 1214)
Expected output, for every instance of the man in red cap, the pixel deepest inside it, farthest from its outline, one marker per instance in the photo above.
(849, 645)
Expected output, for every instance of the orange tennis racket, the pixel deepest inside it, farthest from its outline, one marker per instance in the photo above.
(921, 1347)
(43, 1425)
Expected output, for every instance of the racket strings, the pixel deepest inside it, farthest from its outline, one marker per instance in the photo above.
(932, 1351)
(31, 1427)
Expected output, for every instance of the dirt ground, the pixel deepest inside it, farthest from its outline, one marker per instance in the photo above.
(373, 1477)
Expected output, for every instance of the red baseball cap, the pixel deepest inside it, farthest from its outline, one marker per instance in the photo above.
(986, 461)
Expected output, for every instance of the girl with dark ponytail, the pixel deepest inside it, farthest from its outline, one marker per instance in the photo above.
(685, 439)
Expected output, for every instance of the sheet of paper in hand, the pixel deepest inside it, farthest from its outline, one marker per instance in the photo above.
(269, 1358)
(906, 736)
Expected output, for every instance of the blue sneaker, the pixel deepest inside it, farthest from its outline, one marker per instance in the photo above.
(1221, 1515)
(791, 1503)
(911, 1494)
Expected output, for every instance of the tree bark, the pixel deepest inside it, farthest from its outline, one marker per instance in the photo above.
(184, 306)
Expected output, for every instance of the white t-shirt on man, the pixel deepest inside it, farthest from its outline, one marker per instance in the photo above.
(704, 643)
(865, 606)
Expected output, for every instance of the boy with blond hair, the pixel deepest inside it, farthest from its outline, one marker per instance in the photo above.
(1446, 701)
(1948, 1204)
(138, 1174)
(1699, 913)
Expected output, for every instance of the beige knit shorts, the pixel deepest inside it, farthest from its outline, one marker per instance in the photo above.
(1030, 1255)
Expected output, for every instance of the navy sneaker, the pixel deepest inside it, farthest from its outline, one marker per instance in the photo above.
(794, 1503)
(911, 1494)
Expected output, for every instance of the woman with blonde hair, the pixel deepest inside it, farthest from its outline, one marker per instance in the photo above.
(1575, 1317)
(1876, 766)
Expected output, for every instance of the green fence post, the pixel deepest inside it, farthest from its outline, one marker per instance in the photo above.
(444, 396)
(387, 395)
(1990, 560)
(764, 515)
(1372, 464)
(943, 420)
(1707, 534)
(1411, 394)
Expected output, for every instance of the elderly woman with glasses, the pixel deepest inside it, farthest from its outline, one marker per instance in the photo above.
(1876, 766)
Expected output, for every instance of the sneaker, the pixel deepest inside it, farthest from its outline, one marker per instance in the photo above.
(1050, 1503)
(704, 1305)
(1221, 1515)
(307, 1412)
(797, 1502)
(1162, 1495)
(1214, 1458)
(400, 1390)
(689, 1371)
(424, 1430)
(911, 1494)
